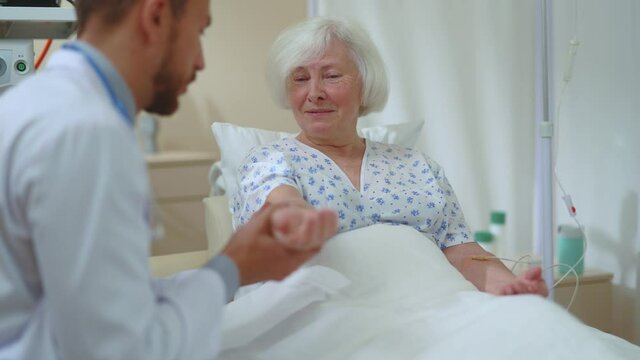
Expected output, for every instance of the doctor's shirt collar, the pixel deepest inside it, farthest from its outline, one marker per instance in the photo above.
(114, 78)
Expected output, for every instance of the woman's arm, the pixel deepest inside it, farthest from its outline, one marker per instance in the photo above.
(266, 177)
(296, 224)
(287, 194)
(491, 275)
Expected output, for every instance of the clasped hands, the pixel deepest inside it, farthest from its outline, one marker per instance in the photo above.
(278, 239)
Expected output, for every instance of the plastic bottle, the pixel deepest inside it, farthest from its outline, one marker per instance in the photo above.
(569, 249)
(485, 240)
(497, 228)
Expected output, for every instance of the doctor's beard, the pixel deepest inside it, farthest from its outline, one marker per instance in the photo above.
(167, 90)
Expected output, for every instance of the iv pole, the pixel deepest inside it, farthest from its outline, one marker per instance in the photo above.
(544, 144)
(312, 8)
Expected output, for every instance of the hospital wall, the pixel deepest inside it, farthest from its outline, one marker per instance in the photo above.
(233, 88)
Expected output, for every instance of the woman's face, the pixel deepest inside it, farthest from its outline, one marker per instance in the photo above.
(325, 95)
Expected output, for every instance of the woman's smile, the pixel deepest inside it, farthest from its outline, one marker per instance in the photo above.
(319, 113)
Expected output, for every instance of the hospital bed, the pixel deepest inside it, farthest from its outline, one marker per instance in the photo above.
(383, 292)
(386, 292)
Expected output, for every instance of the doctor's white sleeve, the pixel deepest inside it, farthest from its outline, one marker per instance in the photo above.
(86, 200)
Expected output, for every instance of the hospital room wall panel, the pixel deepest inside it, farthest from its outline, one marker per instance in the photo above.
(180, 177)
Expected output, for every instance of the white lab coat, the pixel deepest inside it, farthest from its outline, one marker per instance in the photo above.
(74, 237)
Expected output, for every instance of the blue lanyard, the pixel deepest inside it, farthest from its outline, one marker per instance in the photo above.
(117, 102)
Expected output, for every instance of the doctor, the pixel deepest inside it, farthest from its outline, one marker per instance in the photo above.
(74, 200)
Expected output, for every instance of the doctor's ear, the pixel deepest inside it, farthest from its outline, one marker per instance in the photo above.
(155, 20)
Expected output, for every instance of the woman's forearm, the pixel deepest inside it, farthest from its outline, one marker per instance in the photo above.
(476, 265)
(289, 195)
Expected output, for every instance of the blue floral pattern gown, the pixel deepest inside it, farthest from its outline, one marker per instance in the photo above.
(399, 185)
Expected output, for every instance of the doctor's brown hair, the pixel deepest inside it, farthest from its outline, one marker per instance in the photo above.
(112, 11)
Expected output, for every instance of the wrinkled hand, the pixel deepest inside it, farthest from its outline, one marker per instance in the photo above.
(302, 228)
(531, 282)
(260, 255)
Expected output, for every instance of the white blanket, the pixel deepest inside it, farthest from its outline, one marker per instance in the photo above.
(387, 292)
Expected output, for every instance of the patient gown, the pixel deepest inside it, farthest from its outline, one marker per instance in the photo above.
(399, 185)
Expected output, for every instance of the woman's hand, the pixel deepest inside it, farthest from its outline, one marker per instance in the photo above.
(488, 273)
(277, 240)
(296, 224)
(531, 282)
(302, 227)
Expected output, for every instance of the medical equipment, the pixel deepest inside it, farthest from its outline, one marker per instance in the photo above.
(42, 3)
(544, 166)
(18, 27)
(36, 22)
(570, 248)
(16, 61)
(43, 53)
(548, 143)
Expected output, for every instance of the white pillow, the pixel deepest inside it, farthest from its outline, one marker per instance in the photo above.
(236, 141)
(400, 134)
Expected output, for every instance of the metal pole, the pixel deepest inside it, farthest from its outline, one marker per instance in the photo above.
(544, 166)
(312, 8)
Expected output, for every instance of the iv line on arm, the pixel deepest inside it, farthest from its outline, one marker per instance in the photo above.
(522, 261)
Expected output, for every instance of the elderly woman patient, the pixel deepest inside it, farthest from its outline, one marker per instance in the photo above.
(329, 73)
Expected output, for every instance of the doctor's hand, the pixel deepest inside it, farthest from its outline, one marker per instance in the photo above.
(531, 282)
(260, 255)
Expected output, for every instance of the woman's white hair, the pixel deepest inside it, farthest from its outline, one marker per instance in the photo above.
(302, 43)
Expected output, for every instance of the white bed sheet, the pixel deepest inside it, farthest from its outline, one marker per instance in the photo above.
(387, 292)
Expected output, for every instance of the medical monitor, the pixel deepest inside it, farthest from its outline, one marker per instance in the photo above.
(19, 25)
